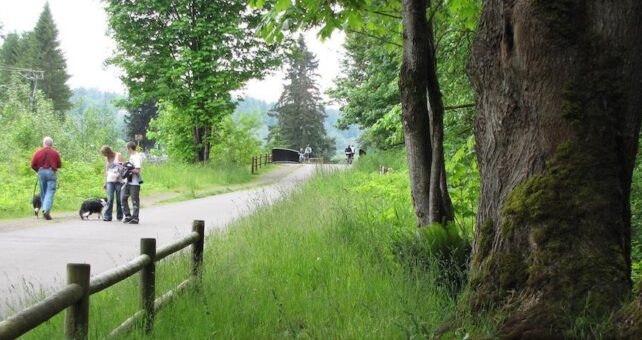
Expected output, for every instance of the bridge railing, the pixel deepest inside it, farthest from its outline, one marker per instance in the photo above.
(259, 161)
(74, 297)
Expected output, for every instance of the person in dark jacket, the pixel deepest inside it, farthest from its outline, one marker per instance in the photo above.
(46, 163)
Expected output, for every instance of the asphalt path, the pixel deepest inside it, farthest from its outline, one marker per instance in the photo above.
(33, 256)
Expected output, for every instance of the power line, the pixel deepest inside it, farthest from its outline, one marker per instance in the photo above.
(32, 75)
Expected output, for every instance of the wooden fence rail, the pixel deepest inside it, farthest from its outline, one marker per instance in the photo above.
(259, 161)
(74, 298)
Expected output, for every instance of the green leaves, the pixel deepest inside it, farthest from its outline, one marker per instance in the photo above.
(465, 11)
(191, 54)
(282, 5)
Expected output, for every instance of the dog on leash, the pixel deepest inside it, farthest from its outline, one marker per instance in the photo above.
(37, 204)
(92, 206)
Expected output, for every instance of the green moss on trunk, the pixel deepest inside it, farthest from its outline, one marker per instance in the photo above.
(562, 248)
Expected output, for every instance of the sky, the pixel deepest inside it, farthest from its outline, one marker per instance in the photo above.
(82, 32)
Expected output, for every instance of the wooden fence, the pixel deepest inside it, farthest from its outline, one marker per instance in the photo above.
(259, 161)
(74, 298)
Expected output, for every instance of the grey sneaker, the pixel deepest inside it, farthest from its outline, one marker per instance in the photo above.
(127, 219)
(133, 221)
(46, 216)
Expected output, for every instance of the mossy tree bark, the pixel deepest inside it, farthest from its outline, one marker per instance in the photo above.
(559, 106)
(422, 113)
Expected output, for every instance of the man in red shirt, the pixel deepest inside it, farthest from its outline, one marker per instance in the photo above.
(46, 163)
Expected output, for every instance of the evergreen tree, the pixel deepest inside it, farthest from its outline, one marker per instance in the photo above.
(137, 122)
(299, 111)
(15, 52)
(48, 57)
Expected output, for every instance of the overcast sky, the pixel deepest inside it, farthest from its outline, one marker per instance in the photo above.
(82, 27)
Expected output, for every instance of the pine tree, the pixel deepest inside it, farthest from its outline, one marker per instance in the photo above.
(137, 122)
(299, 111)
(48, 57)
(15, 52)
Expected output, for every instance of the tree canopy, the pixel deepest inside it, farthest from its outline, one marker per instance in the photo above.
(190, 54)
(39, 50)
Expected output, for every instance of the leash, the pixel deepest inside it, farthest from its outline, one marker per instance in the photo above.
(35, 185)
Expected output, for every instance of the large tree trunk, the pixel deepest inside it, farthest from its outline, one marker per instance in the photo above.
(414, 105)
(422, 110)
(559, 105)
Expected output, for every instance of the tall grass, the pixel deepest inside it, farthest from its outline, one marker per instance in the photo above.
(176, 176)
(339, 258)
(311, 266)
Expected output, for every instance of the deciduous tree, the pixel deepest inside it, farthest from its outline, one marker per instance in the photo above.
(191, 54)
(559, 108)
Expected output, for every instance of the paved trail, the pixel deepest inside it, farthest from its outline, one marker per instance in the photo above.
(37, 253)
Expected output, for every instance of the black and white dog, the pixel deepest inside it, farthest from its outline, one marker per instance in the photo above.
(37, 204)
(92, 206)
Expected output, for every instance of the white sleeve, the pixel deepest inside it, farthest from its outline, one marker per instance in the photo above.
(138, 164)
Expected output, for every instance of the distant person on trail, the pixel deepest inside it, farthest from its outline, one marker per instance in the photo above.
(349, 151)
(131, 188)
(113, 183)
(46, 163)
(308, 152)
(301, 156)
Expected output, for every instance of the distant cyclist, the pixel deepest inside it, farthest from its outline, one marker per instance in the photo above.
(349, 151)
(308, 152)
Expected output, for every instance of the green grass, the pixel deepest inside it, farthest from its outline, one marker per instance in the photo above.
(109, 308)
(304, 269)
(80, 181)
(326, 262)
(339, 258)
(182, 177)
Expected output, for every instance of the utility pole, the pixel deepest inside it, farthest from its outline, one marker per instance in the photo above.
(31, 75)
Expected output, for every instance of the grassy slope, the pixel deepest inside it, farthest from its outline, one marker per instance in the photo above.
(309, 267)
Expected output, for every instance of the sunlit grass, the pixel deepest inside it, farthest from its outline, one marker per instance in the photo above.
(329, 261)
(192, 177)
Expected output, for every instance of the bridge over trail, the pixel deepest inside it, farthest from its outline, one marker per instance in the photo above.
(33, 257)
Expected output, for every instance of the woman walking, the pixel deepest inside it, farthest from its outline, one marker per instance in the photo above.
(113, 182)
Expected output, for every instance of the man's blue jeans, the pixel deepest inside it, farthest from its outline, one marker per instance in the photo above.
(113, 194)
(47, 180)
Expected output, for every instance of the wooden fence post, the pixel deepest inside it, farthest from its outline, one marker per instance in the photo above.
(148, 283)
(198, 226)
(77, 315)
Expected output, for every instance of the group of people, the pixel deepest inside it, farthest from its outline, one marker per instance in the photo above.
(122, 180)
(304, 155)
